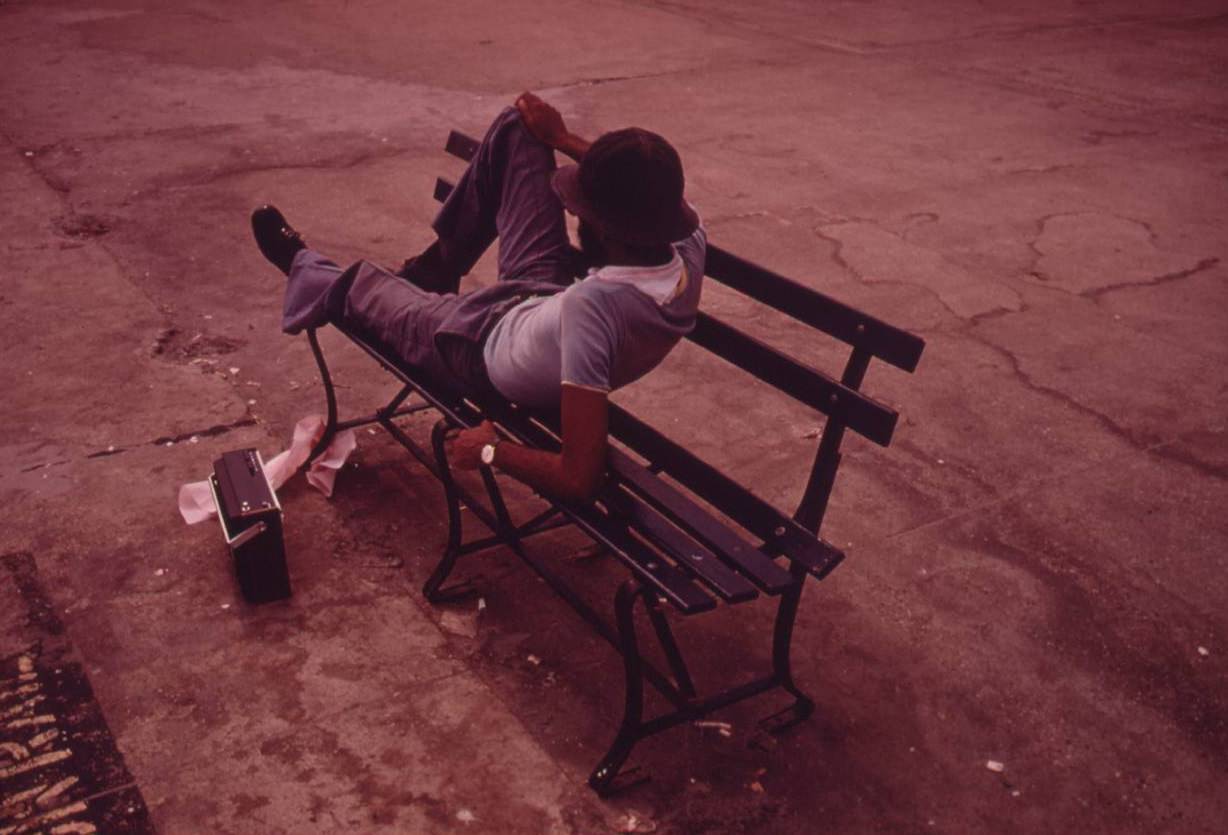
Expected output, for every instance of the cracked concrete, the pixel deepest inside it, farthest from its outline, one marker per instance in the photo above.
(1034, 564)
(873, 254)
(1094, 253)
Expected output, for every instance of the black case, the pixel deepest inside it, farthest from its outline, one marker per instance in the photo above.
(251, 522)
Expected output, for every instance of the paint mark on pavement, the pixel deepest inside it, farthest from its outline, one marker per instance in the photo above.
(60, 770)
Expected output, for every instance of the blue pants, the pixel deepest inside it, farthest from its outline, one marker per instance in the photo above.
(504, 194)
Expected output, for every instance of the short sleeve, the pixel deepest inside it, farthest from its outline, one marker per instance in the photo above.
(693, 250)
(588, 339)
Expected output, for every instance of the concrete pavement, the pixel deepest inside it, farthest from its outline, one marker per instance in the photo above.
(1035, 572)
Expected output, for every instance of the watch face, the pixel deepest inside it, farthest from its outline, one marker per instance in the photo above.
(488, 454)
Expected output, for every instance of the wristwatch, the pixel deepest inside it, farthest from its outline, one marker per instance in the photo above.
(488, 454)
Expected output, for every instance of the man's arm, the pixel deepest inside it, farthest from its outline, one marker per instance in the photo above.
(546, 124)
(573, 474)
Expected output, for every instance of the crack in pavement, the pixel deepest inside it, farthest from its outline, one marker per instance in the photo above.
(1202, 266)
(341, 162)
(211, 432)
(1183, 457)
(960, 301)
(192, 131)
(597, 81)
(70, 211)
(1047, 169)
(44, 465)
(1045, 28)
(749, 31)
(1106, 422)
(167, 440)
(990, 315)
(1131, 110)
(914, 53)
(1094, 293)
(900, 49)
(1000, 499)
(124, 275)
(1096, 137)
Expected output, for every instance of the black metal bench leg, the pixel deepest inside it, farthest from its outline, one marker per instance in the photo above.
(782, 665)
(682, 676)
(607, 772)
(507, 528)
(433, 589)
(330, 393)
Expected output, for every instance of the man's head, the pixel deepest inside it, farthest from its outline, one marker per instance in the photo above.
(628, 189)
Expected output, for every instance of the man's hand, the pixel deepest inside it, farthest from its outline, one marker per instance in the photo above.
(547, 126)
(542, 120)
(576, 472)
(465, 446)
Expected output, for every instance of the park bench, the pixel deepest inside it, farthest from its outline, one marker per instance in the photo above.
(693, 539)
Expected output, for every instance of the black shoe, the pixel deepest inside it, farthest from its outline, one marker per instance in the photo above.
(426, 279)
(277, 239)
(428, 272)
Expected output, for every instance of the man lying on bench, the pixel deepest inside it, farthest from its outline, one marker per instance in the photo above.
(537, 336)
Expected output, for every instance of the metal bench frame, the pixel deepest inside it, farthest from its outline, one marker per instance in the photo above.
(677, 550)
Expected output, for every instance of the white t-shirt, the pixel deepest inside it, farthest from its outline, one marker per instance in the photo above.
(603, 332)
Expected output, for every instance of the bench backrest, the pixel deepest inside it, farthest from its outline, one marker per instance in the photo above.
(839, 399)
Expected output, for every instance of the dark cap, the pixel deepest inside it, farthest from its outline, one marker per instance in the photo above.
(629, 185)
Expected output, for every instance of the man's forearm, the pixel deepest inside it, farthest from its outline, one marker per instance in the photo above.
(573, 146)
(546, 472)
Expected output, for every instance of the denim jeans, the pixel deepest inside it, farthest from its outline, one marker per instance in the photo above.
(504, 195)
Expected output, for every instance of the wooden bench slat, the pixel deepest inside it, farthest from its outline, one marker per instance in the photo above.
(542, 429)
(728, 545)
(898, 347)
(718, 489)
(855, 410)
(685, 551)
(818, 557)
(667, 580)
(442, 189)
(461, 145)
